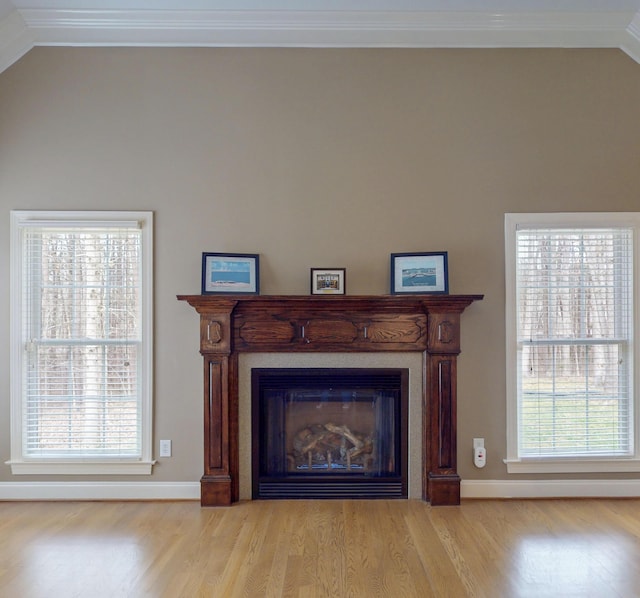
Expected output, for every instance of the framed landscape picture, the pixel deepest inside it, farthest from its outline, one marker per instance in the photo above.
(230, 273)
(419, 273)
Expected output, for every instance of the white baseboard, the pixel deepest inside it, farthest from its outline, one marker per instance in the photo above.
(99, 490)
(550, 488)
(191, 490)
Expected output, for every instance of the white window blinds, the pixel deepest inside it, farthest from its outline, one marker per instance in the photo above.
(574, 309)
(81, 330)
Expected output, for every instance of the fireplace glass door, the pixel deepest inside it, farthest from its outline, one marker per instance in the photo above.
(329, 433)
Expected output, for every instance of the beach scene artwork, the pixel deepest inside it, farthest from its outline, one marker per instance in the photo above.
(420, 273)
(419, 277)
(231, 273)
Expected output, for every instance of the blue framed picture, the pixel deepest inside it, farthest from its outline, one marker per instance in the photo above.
(419, 273)
(230, 273)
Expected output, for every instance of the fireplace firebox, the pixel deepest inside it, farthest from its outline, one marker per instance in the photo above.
(329, 433)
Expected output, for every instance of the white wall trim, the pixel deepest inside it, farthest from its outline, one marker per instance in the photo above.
(578, 466)
(15, 39)
(21, 30)
(78, 468)
(631, 39)
(532, 489)
(550, 489)
(99, 491)
(325, 28)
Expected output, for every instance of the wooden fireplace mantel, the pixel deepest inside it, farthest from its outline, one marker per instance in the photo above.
(233, 324)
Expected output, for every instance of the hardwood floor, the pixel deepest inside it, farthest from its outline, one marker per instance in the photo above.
(397, 549)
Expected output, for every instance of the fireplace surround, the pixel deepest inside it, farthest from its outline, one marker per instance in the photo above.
(235, 324)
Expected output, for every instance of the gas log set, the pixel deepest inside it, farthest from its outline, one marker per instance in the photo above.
(330, 447)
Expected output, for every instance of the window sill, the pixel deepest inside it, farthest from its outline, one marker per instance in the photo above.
(81, 467)
(572, 465)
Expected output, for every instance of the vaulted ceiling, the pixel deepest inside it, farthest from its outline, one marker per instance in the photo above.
(319, 23)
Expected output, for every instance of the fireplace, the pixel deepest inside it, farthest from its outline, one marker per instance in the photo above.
(329, 433)
(235, 325)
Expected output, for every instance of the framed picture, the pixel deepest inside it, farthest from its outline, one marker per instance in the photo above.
(231, 273)
(419, 273)
(328, 281)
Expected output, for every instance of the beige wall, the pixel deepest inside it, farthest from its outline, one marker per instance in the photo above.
(315, 157)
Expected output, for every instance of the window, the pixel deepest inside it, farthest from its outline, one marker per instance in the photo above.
(571, 394)
(81, 327)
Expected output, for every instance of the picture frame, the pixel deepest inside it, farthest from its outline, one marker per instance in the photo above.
(328, 281)
(420, 273)
(230, 273)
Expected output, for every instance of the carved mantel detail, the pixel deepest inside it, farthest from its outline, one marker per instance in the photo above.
(230, 325)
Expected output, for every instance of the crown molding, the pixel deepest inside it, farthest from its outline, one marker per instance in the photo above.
(324, 28)
(23, 29)
(631, 41)
(15, 39)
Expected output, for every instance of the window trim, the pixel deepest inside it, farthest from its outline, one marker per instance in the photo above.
(21, 465)
(515, 463)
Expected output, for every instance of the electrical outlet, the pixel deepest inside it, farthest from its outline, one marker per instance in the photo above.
(479, 452)
(165, 448)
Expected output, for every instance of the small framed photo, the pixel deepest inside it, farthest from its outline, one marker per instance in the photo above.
(419, 273)
(328, 281)
(230, 273)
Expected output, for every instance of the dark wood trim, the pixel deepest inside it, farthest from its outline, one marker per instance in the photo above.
(230, 325)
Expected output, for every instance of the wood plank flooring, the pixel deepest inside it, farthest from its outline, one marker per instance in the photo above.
(386, 548)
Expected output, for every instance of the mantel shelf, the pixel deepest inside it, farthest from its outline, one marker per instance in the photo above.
(408, 301)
